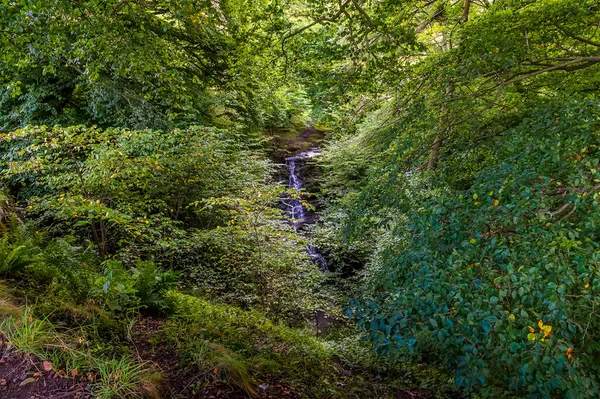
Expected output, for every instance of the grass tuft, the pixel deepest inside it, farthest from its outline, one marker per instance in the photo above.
(125, 379)
(26, 333)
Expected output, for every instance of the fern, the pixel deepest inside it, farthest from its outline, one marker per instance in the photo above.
(151, 285)
(13, 258)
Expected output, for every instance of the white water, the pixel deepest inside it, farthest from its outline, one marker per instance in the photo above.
(316, 257)
(295, 210)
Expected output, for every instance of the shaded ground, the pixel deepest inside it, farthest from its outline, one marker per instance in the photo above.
(25, 377)
(191, 382)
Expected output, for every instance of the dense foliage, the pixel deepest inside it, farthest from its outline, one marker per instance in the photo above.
(467, 180)
(139, 64)
(196, 201)
(459, 188)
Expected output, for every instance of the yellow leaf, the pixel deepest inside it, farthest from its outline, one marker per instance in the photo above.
(531, 337)
(546, 334)
(546, 328)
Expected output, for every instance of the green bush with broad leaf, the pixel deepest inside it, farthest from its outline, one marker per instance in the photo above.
(501, 281)
(198, 202)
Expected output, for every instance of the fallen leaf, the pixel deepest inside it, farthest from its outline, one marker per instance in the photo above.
(37, 374)
(27, 381)
(46, 365)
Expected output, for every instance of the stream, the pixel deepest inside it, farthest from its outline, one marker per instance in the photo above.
(294, 208)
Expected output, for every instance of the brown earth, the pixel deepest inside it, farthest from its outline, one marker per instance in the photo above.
(25, 377)
(193, 383)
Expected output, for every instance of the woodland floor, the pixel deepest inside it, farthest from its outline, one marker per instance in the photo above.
(24, 376)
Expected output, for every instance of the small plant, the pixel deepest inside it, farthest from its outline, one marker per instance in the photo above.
(221, 362)
(115, 288)
(14, 256)
(151, 285)
(125, 379)
(232, 368)
(71, 265)
(8, 210)
(26, 333)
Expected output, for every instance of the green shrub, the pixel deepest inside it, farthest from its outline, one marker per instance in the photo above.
(74, 267)
(37, 259)
(197, 201)
(120, 188)
(13, 258)
(501, 281)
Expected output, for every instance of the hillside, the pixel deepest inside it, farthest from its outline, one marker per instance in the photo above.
(266, 199)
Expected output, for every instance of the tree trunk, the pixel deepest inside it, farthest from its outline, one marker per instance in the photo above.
(437, 141)
(465, 13)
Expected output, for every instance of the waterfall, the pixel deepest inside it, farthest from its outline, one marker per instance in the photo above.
(294, 207)
(316, 257)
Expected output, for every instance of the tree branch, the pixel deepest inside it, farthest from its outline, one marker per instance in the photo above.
(581, 39)
(318, 21)
(569, 66)
(363, 13)
(465, 13)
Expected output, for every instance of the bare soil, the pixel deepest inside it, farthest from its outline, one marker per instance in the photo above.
(25, 377)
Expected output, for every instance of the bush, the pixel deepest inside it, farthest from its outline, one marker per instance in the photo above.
(197, 201)
(151, 286)
(120, 188)
(501, 281)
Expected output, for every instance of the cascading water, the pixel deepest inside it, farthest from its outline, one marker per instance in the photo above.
(294, 207)
(316, 257)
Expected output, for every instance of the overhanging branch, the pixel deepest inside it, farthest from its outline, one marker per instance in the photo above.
(569, 66)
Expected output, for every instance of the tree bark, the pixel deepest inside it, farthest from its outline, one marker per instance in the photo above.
(465, 13)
